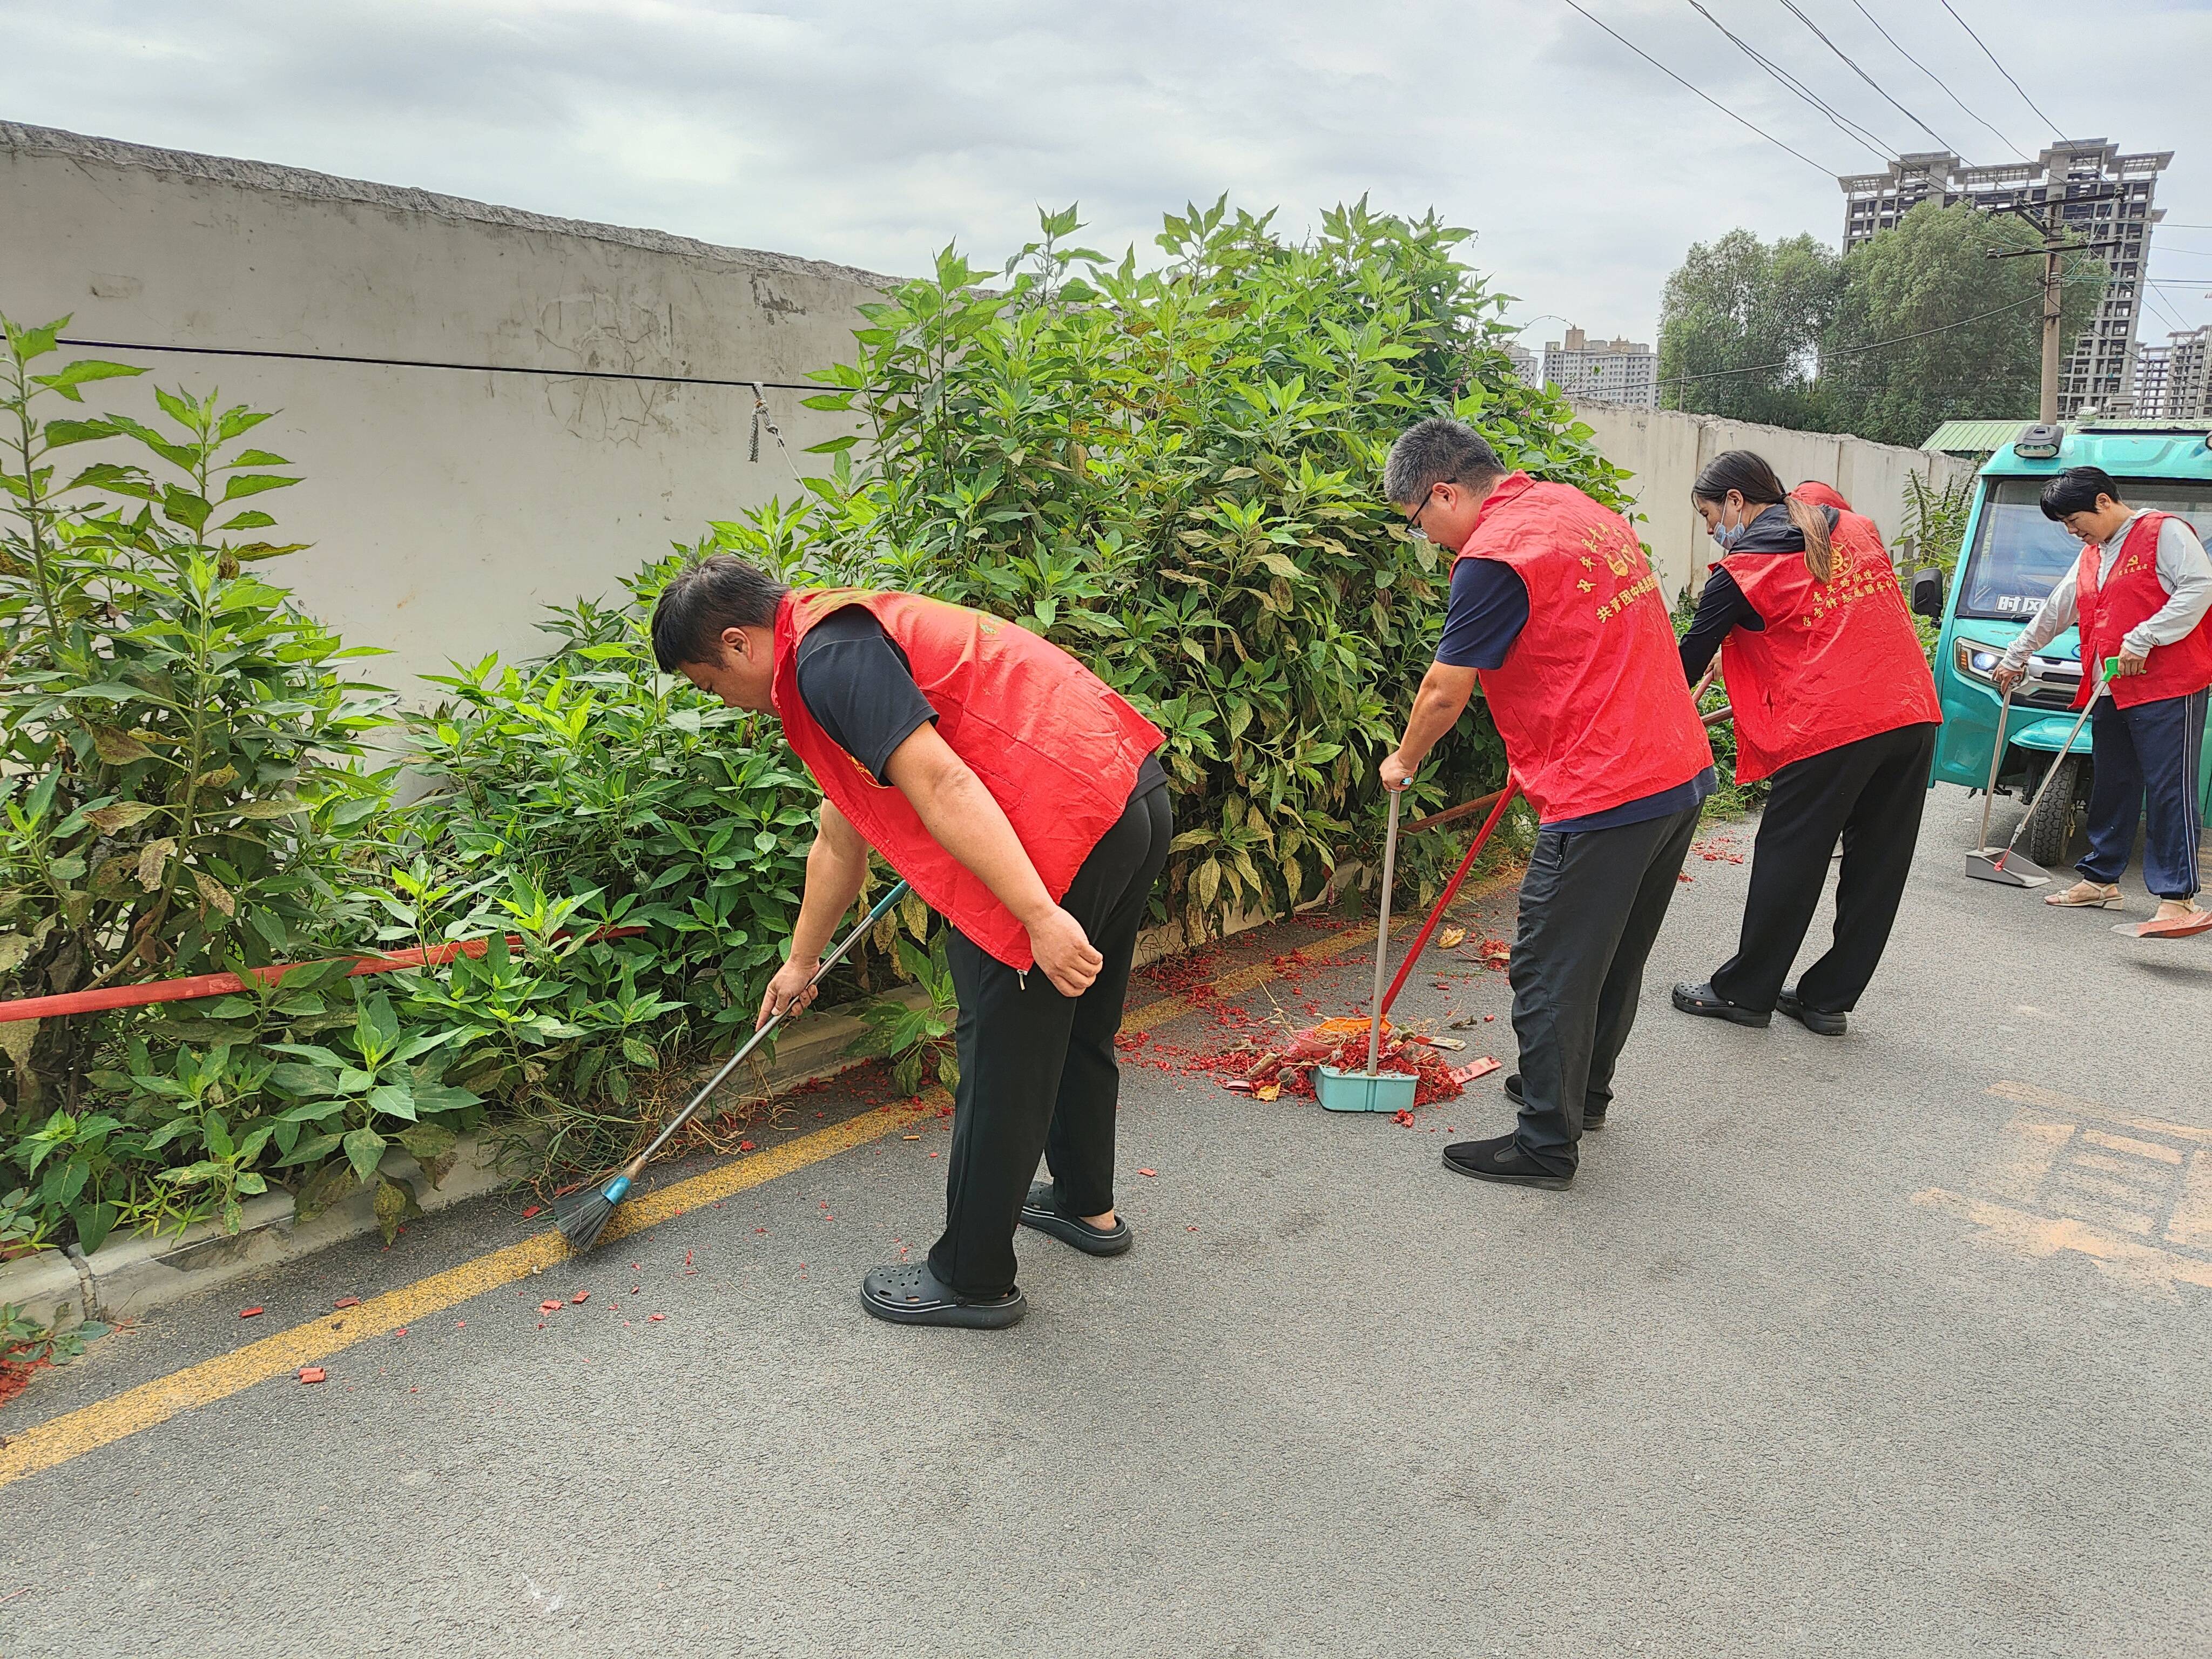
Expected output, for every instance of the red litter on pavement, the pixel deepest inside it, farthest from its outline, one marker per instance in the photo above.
(311, 1373)
(548, 1307)
(581, 1296)
(347, 1302)
(247, 1313)
(1148, 1172)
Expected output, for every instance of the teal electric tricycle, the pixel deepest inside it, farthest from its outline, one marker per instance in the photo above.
(2012, 558)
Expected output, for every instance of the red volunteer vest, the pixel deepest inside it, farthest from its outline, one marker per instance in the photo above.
(1836, 662)
(2110, 603)
(1056, 747)
(1591, 699)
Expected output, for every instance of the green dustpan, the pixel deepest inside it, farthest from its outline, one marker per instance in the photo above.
(1370, 1090)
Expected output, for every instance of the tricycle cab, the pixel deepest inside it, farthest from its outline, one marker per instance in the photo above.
(2011, 557)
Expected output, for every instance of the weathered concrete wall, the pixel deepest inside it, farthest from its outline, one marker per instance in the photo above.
(1664, 448)
(444, 506)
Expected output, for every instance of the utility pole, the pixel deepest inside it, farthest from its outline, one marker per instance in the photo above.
(2053, 232)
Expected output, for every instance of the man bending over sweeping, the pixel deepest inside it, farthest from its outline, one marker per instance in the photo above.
(2140, 591)
(1555, 609)
(1023, 800)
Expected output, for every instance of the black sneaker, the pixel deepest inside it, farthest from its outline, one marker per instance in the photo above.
(1502, 1159)
(1703, 1000)
(1591, 1120)
(1823, 1020)
(1040, 1211)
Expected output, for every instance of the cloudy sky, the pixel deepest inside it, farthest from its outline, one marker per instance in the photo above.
(873, 132)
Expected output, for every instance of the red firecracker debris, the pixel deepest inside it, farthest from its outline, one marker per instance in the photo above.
(548, 1307)
(347, 1302)
(535, 1209)
(1496, 953)
(1403, 1119)
(656, 1318)
(312, 1373)
(744, 1146)
(581, 1296)
(249, 1312)
(1148, 1172)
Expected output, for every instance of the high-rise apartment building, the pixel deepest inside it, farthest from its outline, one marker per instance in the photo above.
(1606, 371)
(1525, 364)
(2097, 194)
(2173, 381)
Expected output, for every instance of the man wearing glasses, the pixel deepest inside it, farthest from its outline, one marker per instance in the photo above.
(1559, 616)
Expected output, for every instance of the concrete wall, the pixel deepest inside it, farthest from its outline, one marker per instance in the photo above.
(445, 508)
(1664, 448)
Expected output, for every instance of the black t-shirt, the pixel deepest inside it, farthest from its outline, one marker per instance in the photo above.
(859, 688)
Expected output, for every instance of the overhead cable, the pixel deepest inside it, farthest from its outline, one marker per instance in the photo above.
(2056, 131)
(1827, 172)
(424, 362)
(1940, 82)
(1858, 135)
(2035, 298)
(1792, 8)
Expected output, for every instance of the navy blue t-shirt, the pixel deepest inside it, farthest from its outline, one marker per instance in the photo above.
(1488, 608)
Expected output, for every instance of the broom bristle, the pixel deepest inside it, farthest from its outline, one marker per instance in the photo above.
(581, 1216)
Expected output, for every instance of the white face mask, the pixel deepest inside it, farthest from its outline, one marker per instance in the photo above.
(1727, 535)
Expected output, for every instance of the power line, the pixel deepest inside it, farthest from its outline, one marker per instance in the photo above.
(2035, 298)
(1858, 135)
(1792, 8)
(421, 363)
(1830, 172)
(2056, 130)
(1939, 81)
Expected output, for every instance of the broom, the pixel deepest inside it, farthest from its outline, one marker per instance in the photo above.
(582, 1216)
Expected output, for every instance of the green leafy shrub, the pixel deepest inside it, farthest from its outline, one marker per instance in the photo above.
(1173, 472)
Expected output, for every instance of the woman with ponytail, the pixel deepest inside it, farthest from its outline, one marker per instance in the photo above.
(1833, 700)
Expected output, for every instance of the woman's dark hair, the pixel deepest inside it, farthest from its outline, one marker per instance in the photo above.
(1747, 472)
(702, 599)
(2075, 491)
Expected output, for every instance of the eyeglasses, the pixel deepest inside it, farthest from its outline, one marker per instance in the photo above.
(1414, 524)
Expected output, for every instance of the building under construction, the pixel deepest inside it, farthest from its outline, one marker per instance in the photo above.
(2084, 186)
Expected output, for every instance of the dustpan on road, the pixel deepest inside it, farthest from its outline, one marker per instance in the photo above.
(1337, 1089)
(2007, 868)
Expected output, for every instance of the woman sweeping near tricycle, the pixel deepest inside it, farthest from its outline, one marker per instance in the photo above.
(1833, 701)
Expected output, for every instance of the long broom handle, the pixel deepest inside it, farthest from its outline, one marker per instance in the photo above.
(2050, 776)
(1382, 933)
(1996, 759)
(881, 909)
(1451, 890)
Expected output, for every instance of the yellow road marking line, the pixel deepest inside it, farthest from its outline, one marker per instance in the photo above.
(90, 1427)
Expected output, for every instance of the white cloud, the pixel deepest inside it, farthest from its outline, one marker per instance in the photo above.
(873, 132)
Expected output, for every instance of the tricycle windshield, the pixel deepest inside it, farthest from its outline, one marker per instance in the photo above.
(2019, 555)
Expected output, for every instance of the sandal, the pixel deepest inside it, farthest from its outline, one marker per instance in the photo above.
(910, 1294)
(2088, 896)
(1041, 1211)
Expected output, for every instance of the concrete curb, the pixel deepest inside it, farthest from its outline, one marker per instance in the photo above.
(128, 1277)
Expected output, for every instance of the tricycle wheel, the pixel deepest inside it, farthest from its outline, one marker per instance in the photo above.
(2051, 828)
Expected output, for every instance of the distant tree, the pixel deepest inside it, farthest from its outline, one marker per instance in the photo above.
(1923, 278)
(1741, 326)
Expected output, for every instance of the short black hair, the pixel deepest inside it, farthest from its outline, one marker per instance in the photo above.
(2075, 491)
(702, 600)
(1433, 452)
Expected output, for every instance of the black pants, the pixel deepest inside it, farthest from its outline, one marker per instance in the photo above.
(1872, 793)
(2145, 755)
(1590, 907)
(1038, 1073)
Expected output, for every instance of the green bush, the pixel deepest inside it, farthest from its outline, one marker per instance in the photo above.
(1173, 473)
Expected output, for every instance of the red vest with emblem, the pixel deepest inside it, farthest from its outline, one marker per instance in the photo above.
(2111, 604)
(1057, 748)
(1591, 699)
(1838, 661)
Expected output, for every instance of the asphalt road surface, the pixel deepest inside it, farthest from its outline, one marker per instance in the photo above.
(1890, 1344)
